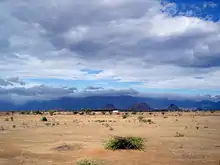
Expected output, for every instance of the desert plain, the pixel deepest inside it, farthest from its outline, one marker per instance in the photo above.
(173, 138)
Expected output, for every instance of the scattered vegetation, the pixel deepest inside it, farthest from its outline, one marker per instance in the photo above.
(149, 121)
(100, 121)
(179, 135)
(13, 126)
(43, 118)
(143, 120)
(38, 112)
(125, 143)
(89, 162)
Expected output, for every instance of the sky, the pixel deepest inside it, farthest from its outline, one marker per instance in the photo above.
(59, 48)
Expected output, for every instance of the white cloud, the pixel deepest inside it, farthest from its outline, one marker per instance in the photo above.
(128, 40)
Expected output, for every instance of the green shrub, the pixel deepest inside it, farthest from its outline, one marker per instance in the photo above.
(51, 112)
(125, 143)
(89, 162)
(43, 118)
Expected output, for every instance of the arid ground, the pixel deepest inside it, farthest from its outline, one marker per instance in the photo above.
(185, 138)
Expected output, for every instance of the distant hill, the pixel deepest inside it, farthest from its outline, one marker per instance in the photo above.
(141, 107)
(173, 107)
(110, 107)
(99, 102)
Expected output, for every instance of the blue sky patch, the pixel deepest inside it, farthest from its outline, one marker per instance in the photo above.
(194, 8)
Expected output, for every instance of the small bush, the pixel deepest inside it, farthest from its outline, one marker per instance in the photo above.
(13, 126)
(81, 113)
(149, 121)
(6, 119)
(48, 124)
(179, 135)
(140, 118)
(75, 112)
(133, 113)
(125, 143)
(12, 119)
(51, 112)
(38, 112)
(89, 162)
(100, 121)
(43, 118)
(103, 112)
(124, 116)
(2, 128)
(111, 129)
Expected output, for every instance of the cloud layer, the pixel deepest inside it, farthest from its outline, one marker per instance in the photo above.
(125, 41)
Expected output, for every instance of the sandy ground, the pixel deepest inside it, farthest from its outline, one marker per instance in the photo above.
(65, 138)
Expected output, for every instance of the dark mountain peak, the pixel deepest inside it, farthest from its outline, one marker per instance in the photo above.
(110, 107)
(173, 107)
(141, 107)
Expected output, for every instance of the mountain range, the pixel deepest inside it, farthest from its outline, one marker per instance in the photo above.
(99, 102)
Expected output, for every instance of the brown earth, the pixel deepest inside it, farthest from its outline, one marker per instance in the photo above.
(65, 138)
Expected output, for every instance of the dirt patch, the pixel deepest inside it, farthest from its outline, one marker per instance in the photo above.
(67, 147)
